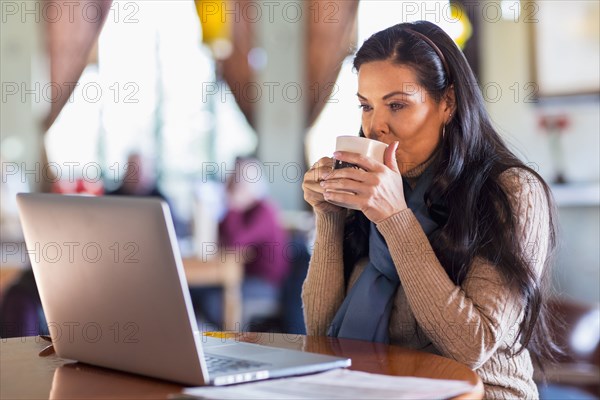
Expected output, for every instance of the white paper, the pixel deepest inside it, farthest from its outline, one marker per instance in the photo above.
(337, 384)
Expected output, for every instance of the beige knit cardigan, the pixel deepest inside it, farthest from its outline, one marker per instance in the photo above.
(474, 323)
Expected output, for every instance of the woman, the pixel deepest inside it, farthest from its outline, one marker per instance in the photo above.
(450, 248)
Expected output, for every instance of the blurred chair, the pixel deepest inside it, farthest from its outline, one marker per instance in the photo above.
(288, 316)
(577, 374)
(21, 312)
(291, 313)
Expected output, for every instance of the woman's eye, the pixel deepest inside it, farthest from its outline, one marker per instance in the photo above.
(364, 107)
(396, 106)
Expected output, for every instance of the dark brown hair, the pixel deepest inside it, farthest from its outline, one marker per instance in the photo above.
(478, 220)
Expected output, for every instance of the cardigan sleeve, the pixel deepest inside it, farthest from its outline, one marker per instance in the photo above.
(323, 289)
(468, 322)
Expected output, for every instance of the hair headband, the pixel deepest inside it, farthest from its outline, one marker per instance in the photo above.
(435, 48)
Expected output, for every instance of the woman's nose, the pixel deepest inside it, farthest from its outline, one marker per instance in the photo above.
(377, 126)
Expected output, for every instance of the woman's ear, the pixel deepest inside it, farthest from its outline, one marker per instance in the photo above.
(449, 103)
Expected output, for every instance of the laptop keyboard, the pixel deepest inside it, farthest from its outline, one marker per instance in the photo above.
(217, 364)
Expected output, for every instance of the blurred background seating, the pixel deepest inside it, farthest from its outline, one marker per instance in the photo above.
(577, 375)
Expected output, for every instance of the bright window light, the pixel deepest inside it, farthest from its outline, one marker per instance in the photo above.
(511, 9)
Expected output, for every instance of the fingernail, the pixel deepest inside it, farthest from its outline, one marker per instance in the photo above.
(322, 183)
(336, 154)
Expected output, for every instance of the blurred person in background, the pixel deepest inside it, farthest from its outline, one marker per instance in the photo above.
(251, 226)
(140, 179)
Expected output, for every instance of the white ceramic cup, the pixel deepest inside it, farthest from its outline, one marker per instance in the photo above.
(360, 145)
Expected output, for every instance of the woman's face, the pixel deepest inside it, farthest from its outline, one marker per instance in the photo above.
(396, 108)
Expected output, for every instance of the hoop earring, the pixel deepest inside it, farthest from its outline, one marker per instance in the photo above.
(444, 132)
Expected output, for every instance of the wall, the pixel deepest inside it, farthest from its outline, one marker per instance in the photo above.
(506, 64)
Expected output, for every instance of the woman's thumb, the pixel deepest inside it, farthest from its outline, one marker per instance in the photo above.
(389, 157)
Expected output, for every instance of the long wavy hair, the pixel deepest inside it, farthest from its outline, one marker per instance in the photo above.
(478, 220)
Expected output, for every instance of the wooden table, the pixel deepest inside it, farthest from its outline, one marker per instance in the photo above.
(7, 276)
(12, 263)
(223, 270)
(25, 375)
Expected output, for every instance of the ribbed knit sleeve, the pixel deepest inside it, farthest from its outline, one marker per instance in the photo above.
(323, 290)
(468, 322)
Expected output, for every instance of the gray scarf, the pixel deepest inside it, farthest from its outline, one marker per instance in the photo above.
(365, 312)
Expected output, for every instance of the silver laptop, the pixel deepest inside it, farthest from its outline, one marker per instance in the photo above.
(114, 293)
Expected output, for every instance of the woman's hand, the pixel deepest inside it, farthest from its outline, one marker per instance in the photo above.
(313, 191)
(376, 188)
